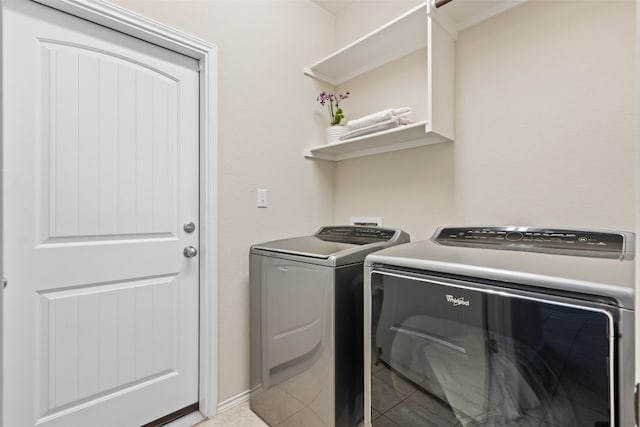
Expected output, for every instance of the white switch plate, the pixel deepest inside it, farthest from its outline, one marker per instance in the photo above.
(262, 197)
(370, 221)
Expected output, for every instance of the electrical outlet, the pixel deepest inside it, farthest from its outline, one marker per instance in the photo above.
(262, 197)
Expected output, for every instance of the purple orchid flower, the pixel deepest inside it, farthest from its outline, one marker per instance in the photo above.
(333, 102)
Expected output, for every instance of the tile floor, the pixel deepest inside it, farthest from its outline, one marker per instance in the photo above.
(397, 402)
(239, 416)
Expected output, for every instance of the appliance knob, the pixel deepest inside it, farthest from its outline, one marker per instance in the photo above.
(514, 236)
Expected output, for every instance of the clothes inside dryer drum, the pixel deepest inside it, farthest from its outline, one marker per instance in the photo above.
(460, 356)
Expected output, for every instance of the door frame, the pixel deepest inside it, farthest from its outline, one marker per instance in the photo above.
(136, 25)
(637, 213)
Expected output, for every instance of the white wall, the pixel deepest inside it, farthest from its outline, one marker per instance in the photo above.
(265, 121)
(363, 16)
(545, 116)
(544, 128)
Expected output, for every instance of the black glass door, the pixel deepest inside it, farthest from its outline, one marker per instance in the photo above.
(454, 355)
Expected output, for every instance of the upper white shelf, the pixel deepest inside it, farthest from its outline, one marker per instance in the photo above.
(399, 138)
(397, 38)
(402, 36)
(409, 32)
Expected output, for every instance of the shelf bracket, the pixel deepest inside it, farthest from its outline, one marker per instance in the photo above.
(443, 19)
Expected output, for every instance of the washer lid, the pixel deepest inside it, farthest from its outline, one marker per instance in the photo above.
(309, 246)
(350, 243)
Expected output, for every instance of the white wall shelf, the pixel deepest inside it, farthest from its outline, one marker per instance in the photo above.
(400, 37)
(407, 33)
(423, 27)
(400, 138)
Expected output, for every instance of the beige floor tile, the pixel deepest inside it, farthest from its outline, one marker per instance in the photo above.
(240, 416)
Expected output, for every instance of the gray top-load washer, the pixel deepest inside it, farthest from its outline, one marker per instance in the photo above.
(306, 325)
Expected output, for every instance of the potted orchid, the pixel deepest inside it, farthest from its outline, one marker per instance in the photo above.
(336, 114)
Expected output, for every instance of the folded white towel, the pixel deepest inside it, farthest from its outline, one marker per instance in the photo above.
(400, 111)
(377, 127)
(378, 117)
(405, 120)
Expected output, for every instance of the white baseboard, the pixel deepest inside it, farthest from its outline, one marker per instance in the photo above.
(234, 401)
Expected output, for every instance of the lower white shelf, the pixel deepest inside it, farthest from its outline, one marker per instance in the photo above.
(400, 138)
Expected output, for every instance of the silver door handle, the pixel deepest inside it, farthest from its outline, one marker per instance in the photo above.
(190, 252)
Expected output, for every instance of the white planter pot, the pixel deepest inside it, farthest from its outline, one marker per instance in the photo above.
(335, 132)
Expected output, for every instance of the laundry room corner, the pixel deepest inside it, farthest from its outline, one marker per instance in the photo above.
(415, 188)
(544, 128)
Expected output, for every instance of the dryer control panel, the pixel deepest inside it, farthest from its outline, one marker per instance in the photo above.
(594, 243)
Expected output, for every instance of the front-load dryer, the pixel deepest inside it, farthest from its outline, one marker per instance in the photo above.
(501, 326)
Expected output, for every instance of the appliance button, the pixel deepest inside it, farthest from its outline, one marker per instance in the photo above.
(514, 236)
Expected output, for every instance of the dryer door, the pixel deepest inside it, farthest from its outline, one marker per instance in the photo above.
(456, 354)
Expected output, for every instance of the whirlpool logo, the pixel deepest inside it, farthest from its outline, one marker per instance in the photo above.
(457, 301)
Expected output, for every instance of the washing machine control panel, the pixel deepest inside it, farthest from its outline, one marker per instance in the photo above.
(535, 239)
(355, 234)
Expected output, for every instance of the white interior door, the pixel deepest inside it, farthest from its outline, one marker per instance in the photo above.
(100, 317)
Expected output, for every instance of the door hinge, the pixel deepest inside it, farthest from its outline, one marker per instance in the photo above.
(199, 68)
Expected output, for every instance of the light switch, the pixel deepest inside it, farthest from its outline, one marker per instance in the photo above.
(262, 197)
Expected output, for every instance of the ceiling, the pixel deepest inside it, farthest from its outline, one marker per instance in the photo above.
(333, 6)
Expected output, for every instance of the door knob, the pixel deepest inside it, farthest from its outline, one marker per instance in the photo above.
(190, 252)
